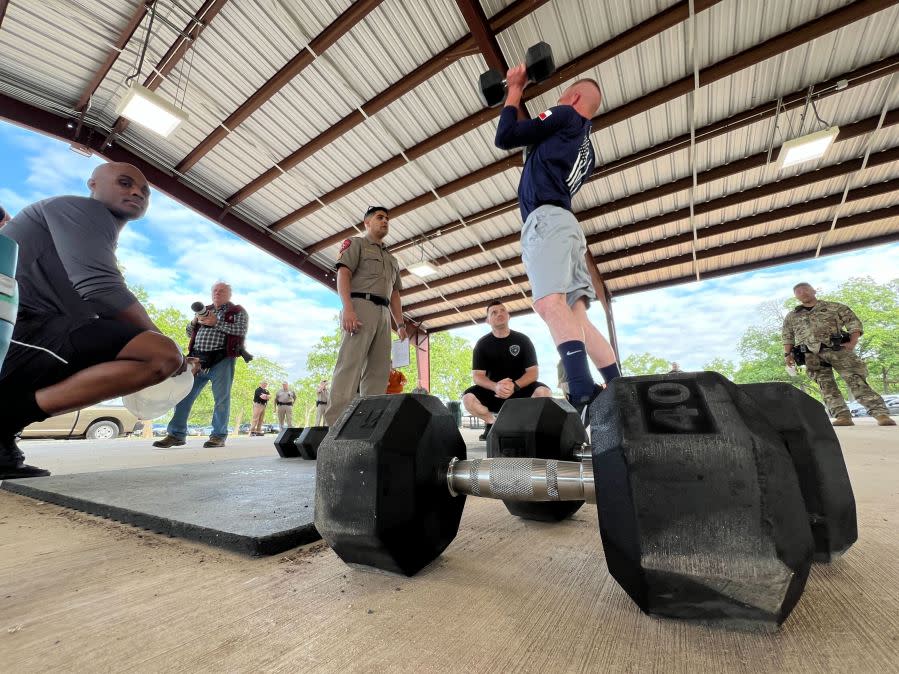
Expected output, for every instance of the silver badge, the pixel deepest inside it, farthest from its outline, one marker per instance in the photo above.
(515, 349)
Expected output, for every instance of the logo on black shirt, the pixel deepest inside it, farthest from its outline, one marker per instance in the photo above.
(514, 349)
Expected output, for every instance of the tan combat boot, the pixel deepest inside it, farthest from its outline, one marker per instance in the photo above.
(884, 420)
(844, 420)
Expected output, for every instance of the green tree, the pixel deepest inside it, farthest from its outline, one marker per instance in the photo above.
(450, 357)
(722, 366)
(877, 306)
(644, 363)
(761, 351)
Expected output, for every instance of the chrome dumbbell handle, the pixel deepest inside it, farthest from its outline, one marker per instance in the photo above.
(522, 479)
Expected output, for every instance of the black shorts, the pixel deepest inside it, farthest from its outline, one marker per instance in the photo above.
(489, 400)
(82, 343)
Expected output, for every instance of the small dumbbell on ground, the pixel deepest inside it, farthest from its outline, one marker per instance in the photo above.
(540, 428)
(300, 442)
(539, 63)
(700, 511)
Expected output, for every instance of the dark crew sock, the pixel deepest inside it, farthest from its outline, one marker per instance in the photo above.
(610, 372)
(20, 412)
(577, 370)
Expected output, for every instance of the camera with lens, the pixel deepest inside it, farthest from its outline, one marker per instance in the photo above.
(200, 309)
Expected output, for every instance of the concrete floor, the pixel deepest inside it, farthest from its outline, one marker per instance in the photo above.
(80, 593)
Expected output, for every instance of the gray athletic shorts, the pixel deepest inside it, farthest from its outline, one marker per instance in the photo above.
(553, 248)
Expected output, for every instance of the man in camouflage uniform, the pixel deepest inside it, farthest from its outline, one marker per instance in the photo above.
(816, 326)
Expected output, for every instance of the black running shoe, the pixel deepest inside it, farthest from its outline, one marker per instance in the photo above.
(483, 436)
(20, 471)
(582, 407)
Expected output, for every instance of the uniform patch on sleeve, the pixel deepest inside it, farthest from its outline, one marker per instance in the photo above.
(543, 115)
(346, 244)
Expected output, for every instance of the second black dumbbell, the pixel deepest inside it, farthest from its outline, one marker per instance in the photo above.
(539, 63)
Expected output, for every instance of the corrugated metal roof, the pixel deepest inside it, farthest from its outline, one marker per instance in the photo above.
(49, 52)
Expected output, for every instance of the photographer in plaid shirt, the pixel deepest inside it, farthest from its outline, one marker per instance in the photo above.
(216, 339)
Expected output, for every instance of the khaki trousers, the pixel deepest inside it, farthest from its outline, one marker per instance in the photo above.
(258, 415)
(363, 362)
(285, 416)
(320, 415)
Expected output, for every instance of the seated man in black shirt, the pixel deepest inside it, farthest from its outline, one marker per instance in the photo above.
(504, 365)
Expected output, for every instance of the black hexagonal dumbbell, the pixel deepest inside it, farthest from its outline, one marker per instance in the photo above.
(285, 442)
(308, 441)
(540, 428)
(539, 63)
(302, 442)
(805, 428)
(701, 514)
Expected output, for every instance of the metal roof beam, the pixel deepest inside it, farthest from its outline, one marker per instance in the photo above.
(460, 48)
(483, 34)
(793, 38)
(333, 32)
(762, 264)
(175, 53)
(747, 244)
(847, 133)
(51, 124)
(858, 77)
(668, 242)
(124, 38)
(609, 49)
(739, 246)
(738, 269)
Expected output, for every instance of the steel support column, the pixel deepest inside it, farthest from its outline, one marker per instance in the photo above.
(422, 341)
(605, 298)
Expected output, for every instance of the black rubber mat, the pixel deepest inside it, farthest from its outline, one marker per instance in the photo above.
(258, 506)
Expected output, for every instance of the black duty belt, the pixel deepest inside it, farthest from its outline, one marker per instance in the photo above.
(287, 404)
(321, 402)
(377, 299)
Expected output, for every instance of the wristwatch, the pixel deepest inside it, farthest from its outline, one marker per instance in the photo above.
(515, 386)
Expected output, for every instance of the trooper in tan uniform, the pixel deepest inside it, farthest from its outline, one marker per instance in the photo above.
(368, 283)
(817, 328)
(322, 395)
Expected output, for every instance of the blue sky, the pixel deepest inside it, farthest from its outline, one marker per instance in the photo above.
(176, 255)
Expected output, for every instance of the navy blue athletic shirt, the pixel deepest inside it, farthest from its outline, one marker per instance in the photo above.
(561, 157)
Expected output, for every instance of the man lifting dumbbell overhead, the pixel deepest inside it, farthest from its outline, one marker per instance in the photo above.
(504, 366)
(553, 246)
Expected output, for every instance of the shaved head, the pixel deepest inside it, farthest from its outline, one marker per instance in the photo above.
(122, 188)
(584, 96)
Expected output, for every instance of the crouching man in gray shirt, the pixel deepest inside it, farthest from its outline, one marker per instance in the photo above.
(80, 336)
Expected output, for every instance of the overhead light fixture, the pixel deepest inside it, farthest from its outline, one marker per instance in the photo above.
(82, 149)
(150, 110)
(422, 269)
(806, 148)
